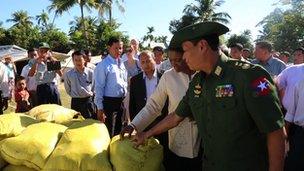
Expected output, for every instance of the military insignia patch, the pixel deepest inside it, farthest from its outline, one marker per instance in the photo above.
(218, 70)
(261, 86)
(246, 66)
(197, 90)
(224, 91)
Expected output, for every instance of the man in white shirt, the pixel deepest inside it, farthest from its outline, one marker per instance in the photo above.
(135, 47)
(31, 83)
(184, 141)
(286, 82)
(295, 121)
(4, 88)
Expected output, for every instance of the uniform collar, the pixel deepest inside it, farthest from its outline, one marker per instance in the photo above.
(220, 66)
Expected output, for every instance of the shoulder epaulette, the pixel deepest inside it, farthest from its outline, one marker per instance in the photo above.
(240, 64)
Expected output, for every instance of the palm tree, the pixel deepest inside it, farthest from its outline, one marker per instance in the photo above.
(149, 36)
(204, 10)
(61, 6)
(43, 19)
(106, 5)
(21, 18)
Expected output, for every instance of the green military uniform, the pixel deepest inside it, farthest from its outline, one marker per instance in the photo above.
(235, 107)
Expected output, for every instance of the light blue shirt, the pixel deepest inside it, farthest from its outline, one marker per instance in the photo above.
(43, 75)
(110, 77)
(274, 66)
(79, 84)
(132, 70)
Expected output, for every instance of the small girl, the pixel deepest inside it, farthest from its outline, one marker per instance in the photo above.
(22, 96)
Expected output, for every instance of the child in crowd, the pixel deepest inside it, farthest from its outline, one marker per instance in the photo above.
(22, 96)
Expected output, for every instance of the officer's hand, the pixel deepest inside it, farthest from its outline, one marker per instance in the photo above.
(5, 103)
(139, 138)
(126, 130)
(101, 116)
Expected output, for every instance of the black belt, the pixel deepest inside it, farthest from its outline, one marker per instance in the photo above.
(113, 98)
(46, 84)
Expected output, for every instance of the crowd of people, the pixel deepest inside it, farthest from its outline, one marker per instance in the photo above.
(209, 111)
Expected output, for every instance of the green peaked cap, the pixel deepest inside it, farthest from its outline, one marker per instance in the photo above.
(195, 31)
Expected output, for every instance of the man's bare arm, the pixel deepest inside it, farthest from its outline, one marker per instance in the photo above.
(276, 150)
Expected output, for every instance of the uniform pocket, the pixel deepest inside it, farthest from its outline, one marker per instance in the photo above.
(225, 103)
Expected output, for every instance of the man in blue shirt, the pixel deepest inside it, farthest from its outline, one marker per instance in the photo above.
(78, 83)
(273, 65)
(110, 78)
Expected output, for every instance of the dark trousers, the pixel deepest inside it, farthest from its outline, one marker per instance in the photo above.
(295, 157)
(85, 106)
(33, 98)
(177, 163)
(1, 103)
(48, 94)
(113, 108)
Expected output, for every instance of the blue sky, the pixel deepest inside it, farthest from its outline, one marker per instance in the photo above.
(158, 13)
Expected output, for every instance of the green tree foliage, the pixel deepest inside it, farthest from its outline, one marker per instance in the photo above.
(21, 18)
(285, 29)
(43, 20)
(201, 10)
(243, 38)
(99, 34)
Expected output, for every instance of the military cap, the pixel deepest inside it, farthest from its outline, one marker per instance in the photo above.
(196, 31)
(44, 45)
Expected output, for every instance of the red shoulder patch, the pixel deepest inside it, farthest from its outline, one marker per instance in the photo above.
(261, 86)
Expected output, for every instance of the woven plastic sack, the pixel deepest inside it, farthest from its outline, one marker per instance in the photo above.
(3, 163)
(33, 146)
(54, 113)
(125, 157)
(83, 146)
(17, 168)
(13, 124)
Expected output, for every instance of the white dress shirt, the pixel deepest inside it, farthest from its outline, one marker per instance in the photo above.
(151, 84)
(287, 81)
(183, 139)
(296, 113)
(31, 83)
(4, 86)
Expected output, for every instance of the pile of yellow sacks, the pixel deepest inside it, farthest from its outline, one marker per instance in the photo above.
(53, 138)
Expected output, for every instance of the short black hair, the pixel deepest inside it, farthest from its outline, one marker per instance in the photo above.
(113, 40)
(177, 49)
(158, 48)
(87, 52)
(300, 49)
(239, 46)
(213, 41)
(285, 53)
(78, 53)
(31, 50)
(19, 78)
(265, 45)
(247, 49)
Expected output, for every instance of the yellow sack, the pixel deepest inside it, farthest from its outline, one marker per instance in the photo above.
(83, 146)
(33, 146)
(3, 163)
(13, 124)
(53, 112)
(17, 168)
(125, 157)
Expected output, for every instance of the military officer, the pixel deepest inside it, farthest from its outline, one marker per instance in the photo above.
(234, 103)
